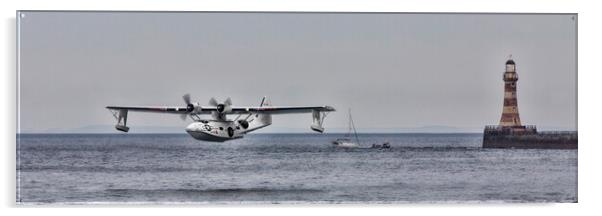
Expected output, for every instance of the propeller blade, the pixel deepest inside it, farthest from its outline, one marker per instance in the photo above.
(189, 106)
(228, 102)
(213, 102)
(186, 98)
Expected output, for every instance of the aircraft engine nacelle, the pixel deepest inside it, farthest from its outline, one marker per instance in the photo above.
(190, 108)
(243, 123)
(224, 108)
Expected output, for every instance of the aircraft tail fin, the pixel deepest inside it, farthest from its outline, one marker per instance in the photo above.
(265, 102)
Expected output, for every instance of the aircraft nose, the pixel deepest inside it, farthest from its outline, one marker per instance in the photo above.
(192, 127)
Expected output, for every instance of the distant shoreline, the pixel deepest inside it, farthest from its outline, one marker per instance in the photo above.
(283, 133)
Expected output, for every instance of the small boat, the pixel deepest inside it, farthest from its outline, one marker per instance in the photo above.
(346, 142)
(385, 145)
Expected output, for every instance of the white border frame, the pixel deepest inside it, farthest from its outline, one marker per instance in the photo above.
(588, 78)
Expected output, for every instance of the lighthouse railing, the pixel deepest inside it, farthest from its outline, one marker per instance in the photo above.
(510, 130)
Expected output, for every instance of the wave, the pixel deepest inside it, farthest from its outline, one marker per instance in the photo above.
(215, 191)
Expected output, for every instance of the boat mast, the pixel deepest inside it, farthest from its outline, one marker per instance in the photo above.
(353, 125)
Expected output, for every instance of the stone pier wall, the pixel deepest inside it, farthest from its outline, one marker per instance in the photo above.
(540, 140)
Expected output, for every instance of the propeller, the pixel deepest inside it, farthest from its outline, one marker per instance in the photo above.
(189, 106)
(221, 108)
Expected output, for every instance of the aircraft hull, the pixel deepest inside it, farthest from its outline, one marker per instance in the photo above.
(208, 137)
(215, 131)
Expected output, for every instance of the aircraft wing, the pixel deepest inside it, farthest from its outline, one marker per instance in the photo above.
(174, 110)
(318, 112)
(165, 109)
(121, 112)
(282, 109)
(235, 110)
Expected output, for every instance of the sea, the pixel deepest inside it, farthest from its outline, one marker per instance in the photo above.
(286, 168)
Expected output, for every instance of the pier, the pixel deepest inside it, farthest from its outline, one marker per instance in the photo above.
(495, 136)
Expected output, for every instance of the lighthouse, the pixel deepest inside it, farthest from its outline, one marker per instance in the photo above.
(510, 121)
(510, 117)
(510, 133)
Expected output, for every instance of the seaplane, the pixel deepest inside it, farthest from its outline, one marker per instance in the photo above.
(211, 123)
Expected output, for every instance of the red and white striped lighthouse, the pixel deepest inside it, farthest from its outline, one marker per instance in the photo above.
(510, 116)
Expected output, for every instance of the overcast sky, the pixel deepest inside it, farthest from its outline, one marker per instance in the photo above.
(392, 70)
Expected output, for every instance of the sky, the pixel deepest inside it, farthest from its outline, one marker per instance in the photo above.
(392, 70)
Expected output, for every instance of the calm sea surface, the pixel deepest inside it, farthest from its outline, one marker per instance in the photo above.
(283, 168)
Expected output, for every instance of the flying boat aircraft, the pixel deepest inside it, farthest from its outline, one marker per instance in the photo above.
(217, 127)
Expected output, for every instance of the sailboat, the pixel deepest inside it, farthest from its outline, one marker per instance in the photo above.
(346, 142)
